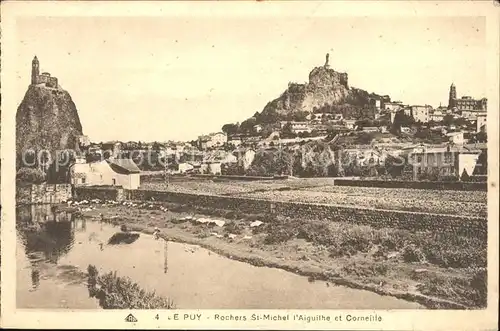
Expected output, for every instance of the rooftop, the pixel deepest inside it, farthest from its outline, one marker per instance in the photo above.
(124, 166)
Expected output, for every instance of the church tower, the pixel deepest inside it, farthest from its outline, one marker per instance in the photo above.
(452, 96)
(35, 70)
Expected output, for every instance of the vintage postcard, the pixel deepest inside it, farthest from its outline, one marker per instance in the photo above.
(250, 165)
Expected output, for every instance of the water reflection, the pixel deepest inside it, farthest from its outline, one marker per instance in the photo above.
(54, 251)
(165, 254)
(35, 278)
(44, 230)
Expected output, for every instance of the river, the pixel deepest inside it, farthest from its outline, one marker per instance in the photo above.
(52, 261)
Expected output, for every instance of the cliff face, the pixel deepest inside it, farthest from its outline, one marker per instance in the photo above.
(325, 87)
(47, 119)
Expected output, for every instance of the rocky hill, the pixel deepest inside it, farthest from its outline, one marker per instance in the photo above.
(326, 88)
(46, 119)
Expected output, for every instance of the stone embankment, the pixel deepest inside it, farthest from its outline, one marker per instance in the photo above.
(378, 218)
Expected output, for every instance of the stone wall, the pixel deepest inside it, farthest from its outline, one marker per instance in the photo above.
(469, 226)
(43, 193)
(459, 186)
(378, 218)
(98, 192)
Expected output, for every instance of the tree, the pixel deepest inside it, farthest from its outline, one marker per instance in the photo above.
(271, 162)
(266, 131)
(30, 176)
(365, 138)
(156, 146)
(448, 119)
(268, 116)
(247, 125)
(300, 116)
(395, 165)
(465, 176)
(481, 137)
(230, 128)
(401, 119)
(287, 131)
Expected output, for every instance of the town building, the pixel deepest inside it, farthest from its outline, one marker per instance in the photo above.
(350, 124)
(466, 102)
(437, 115)
(297, 127)
(117, 172)
(481, 123)
(456, 138)
(213, 161)
(405, 129)
(234, 140)
(83, 141)
(421, 113)
(212, 140)
(370, 129)
(443, 161)
(185, 167)
(393, 106)
(257, 128)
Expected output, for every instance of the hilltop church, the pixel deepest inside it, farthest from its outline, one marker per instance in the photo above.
(44, 78)
(466, 103)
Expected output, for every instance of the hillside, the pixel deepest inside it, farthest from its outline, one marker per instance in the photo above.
(46, 119)
(327, 90)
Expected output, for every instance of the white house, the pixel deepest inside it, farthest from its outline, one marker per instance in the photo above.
(185, 167)
(257, 128)
(405, 129)
(216, 139)
(113, 172)
(456, 137)
(235, 141)
(421, 113)
(298, 127)
(481, 123)
(213, 161)
(437, 115)
(393, 106)
(350, 124)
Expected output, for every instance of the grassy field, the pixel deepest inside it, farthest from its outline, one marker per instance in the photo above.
(322, 190)
(438, 270)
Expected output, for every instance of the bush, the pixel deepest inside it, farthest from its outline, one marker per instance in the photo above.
(470, 290)
(115, 292)
(412, 253)
(30, 176)
(279, 231)
(233, 228)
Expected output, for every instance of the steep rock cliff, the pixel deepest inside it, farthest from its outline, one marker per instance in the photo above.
(47, 119)
(326, 87)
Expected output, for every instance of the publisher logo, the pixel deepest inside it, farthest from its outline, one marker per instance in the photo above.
(130, 318)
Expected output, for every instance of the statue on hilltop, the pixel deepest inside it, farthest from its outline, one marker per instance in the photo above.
(327, 65)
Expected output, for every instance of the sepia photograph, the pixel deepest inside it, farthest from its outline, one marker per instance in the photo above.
(250, 162)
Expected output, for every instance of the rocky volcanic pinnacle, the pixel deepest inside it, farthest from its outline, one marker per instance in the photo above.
(325, 87)
(47, 119)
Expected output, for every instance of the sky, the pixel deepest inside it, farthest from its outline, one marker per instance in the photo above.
(160, 78)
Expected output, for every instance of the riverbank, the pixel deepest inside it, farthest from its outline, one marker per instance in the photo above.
(435, 270)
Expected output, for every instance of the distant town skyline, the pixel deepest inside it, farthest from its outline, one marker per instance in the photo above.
(158, 79)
